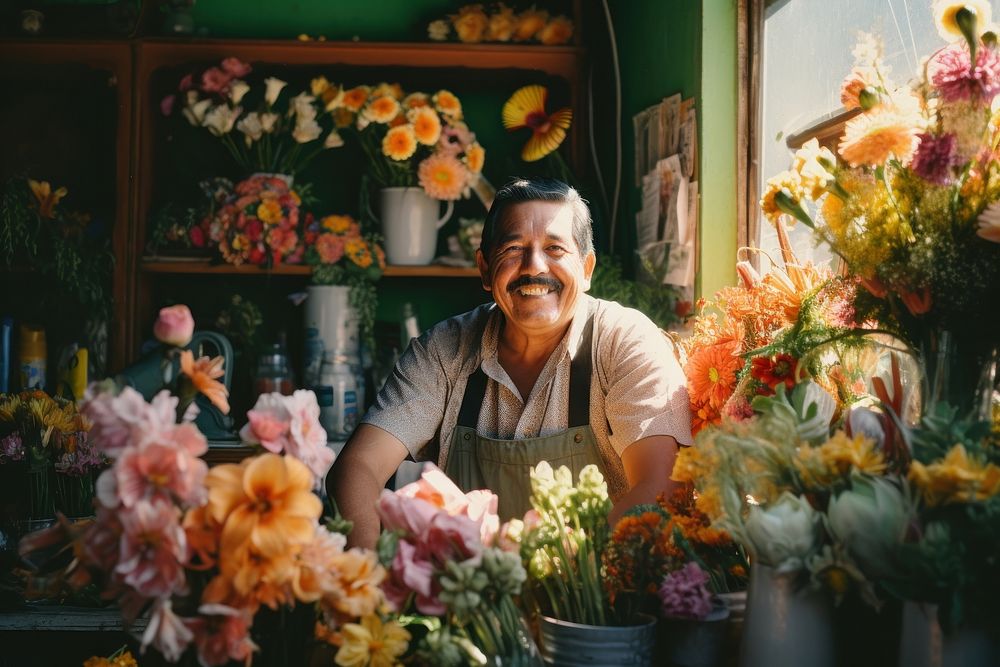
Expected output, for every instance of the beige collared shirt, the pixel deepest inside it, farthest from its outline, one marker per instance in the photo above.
(637, 388)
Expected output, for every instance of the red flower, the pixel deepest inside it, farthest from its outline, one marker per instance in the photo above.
(197, 235)
(257, 255)
(774, 371)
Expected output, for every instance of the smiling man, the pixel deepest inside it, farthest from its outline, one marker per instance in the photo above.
(544, 373)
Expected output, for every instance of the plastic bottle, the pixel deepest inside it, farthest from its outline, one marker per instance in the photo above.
(337, 380)
(33, 354)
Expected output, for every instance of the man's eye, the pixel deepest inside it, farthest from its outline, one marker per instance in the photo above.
(557, 249)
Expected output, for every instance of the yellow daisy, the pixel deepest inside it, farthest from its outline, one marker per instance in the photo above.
(399, 143)
(529, 23)
(788, 183)
(957, 478)
(393, 90)
(426, 125)
(448, 105)
(526, 108)
(372, 642)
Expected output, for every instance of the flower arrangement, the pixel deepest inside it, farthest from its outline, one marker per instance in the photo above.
(770, 331)
(472, 24)
(202, 551)
(410, 140)
(441, 554)
(282, 134)
(911, 201)
(46, 442)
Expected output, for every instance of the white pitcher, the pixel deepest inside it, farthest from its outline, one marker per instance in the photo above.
(409, 223)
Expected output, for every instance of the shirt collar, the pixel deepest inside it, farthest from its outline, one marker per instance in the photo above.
(569, 345)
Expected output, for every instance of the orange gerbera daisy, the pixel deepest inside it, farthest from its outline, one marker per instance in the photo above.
(382, 109)
(399, 143)
(426, 125)
(711, 374)
(448, 105)
(414, 100)
(442, 177)
(202, 374)
(265, 502)
(557, 31)
(355, 98)
(871, 138)
(475, 157)
(526, 108)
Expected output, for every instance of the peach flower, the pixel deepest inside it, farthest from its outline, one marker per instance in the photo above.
(174, 326)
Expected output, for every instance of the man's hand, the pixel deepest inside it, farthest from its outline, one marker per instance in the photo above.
(358, 476)
(648, 464)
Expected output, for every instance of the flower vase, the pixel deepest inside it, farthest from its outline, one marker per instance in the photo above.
(959, 369)
(693, 643)
(785, 625)
(923, 644)
(410, 223)
(577, 644)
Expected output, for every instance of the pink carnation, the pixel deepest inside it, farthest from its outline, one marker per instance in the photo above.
(330, 247)
(684, 594)
(952, 75)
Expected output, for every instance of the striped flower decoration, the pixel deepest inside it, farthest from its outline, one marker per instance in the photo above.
(526, 108)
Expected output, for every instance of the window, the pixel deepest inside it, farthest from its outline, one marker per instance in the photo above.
(806, 50)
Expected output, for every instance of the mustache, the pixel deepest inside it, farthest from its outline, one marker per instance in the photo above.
(527, 281)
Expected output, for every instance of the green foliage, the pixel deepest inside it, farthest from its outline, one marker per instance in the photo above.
(58, 248)
(656, 301)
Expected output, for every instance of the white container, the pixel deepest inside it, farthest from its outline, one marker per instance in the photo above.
(331, 327)
(337, 395)
(410, 224)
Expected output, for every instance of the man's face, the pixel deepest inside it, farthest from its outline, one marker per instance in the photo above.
(536, 271)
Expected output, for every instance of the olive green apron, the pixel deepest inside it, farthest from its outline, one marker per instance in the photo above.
(504, 466)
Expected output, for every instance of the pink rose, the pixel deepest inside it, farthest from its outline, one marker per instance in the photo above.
(236, 67)
(174, 326)
(214, 80)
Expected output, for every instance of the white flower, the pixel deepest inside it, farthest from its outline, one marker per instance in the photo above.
(268, 121)
(274, 87)
(865, 421)
(783, 535)
(237, 89)
(944, 16)
(870, 520)
(251, 127)
(306, 131)
(438, 30)
(195, 113)
(814, 407)
(333, 140)
(221, 119)
(989, 223)
(302, 106)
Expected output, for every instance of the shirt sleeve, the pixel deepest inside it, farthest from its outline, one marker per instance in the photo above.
(412, 401)
(645, 388)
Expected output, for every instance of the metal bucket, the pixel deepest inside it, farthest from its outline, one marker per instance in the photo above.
(923, 644)
(569, 644)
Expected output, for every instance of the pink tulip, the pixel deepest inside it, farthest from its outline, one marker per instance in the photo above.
(174, 326)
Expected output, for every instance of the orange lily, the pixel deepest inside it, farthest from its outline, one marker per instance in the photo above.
(203, 374)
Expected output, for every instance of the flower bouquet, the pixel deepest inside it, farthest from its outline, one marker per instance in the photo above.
(472, 25)
(281, 134)
(912, 204)
(46, 448)
(439, 548)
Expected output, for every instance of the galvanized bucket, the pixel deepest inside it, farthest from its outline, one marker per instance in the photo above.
(567, 644)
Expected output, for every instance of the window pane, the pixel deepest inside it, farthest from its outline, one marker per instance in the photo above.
(806, 53)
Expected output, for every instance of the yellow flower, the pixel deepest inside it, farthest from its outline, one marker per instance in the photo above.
(382, 109)
(338, 224)
(319, 85)
(372, 642)
(813, 164)
(787, 182)
(502, 24)
(957, 478)
(945, 16)
(269, 212)
(872, 138)
(557, 31)
(393, 90)
(470, 24)
(529, 23)
(47, 199)
(832, 212)
(399, 143)
(358, 252)
(426, 125)
(475, 157)
(447, 104)
(526, 108)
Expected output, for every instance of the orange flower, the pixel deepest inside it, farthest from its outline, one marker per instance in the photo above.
(557, 31)
(529, 23)
(338, 224)
(47, 199)
(394, 90)
(382, 109)
(526, 108)
(202, 534)
(442, 177)
(470, 24)
(448, 105)
(426, 125)
(399, 143)
(475, 157)
(358, 252)
(202, 374)
(355, 98)
(265, 502)
(416, 100)
(871, 138)
(502, 24)
(269, 211)
(711, 374)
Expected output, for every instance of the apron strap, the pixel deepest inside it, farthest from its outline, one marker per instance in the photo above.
(581, 371)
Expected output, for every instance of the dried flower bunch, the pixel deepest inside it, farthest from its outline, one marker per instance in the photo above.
(472, 24)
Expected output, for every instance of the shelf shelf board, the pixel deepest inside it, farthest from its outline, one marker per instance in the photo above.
(204, 267)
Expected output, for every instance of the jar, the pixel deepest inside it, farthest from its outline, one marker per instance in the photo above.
(274, 374)
(337, 395)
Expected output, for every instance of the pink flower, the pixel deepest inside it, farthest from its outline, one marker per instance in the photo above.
(414, 573)
(100, 542)
(306, 436)
(174, 326)
(236, 67)
(122, 420)
(453, 537)
(268, 423)
(952, 75)
(186, 83)
(166, 466)
(935, 157)
(167, 104)
(684, 594)
(152, 549)
(197, 236)
(167, 632)
(330, 247)
(411, 515)
(215, 80)
(222, 634)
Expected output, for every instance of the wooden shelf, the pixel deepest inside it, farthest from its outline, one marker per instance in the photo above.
(204, 267)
